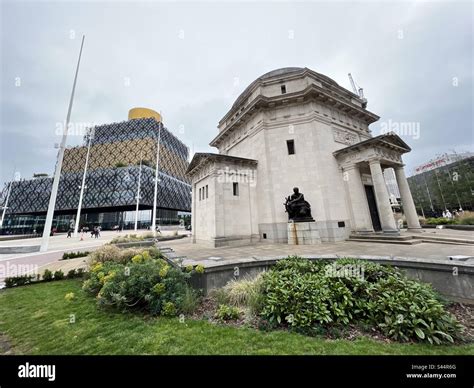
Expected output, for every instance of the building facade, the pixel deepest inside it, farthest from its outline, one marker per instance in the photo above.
(120, 156)
(293, 127)
(444, 183)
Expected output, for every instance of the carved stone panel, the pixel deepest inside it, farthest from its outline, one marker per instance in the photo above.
(345, 137)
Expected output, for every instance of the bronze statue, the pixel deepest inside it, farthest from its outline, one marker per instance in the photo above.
(297, 208)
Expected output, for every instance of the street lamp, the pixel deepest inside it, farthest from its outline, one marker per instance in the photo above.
(59, 162)
(90, 135)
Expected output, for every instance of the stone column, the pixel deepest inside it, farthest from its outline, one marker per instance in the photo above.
(407, 200)
(193, 212)
(358, 198)
(387, 220)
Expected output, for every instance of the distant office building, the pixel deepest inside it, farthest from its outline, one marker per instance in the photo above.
(446, 182)
(113, 175)
(391, 182)
(441, 161)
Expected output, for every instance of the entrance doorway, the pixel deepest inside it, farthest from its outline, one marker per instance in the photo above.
(374, 213)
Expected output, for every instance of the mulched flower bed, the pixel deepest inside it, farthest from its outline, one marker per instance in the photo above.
(208, 307)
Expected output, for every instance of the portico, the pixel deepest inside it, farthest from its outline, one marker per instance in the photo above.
(362, 165)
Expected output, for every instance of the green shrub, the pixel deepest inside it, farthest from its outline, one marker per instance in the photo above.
(149, 285)
(169, 309)
(80, 272)
(303, 294)
(405, 309)
(466, 221)
(47, 275)
(113, 253)
(15, 281)
(190, 301)
(74, 255)
(58, 275)
(75, 273)
(440, 221)
(227, 313)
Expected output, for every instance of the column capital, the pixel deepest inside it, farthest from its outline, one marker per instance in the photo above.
(349, 167)
(372, 161)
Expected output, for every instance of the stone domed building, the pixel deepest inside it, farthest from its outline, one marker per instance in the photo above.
(293, 127)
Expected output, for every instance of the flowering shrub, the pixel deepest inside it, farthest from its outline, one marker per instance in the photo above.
(113, 253)
(69, 296)
(199, 268)
(144, 283)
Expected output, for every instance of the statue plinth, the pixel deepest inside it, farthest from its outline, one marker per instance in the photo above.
(302, 219)
(303, 233)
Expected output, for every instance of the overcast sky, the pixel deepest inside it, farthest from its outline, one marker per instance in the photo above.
(191, 60)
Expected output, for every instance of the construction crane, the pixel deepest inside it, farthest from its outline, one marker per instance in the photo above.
(358, 91)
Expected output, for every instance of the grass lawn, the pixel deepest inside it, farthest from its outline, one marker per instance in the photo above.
(35, 320)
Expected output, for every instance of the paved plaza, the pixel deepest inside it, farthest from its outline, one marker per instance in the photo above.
(10, 264)
(208, 256)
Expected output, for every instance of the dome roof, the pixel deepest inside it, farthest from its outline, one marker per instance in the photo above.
(277, 73)
(282, 71)
(270, 74)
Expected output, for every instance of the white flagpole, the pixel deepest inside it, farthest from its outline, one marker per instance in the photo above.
(78, 216)
(5, 205)
(138, 195)
(59, 162)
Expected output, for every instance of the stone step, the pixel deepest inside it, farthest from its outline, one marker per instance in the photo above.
(447, 240)
(387, 241)
(381, 237)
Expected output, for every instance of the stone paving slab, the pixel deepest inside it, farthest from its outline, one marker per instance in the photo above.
(198, 253)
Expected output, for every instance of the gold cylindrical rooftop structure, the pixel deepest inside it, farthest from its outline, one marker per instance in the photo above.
(143, 113)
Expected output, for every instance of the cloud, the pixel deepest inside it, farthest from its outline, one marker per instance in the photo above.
(191, 60)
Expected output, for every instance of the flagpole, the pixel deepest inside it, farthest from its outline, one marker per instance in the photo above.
(5, 205)
(81, 195)
(138, 195)
(59, 162)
